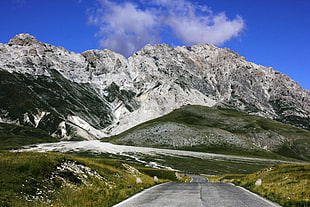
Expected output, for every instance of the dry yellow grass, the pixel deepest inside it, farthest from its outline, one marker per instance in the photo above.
(50, 179)
(288, 185)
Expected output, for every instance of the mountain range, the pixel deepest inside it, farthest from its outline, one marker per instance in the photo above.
(100, 93)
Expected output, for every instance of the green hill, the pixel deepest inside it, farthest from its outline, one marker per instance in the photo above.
(205, 129)
(13, 136)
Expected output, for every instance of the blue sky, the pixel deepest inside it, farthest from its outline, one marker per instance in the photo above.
(272, 33)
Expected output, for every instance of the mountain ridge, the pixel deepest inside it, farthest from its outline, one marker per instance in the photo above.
(152, 82)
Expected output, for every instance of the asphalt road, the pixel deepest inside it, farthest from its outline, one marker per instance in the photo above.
(198, 193)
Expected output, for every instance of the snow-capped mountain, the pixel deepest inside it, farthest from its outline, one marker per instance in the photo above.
(99, 93)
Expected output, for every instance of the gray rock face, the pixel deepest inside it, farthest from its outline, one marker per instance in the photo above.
(149, 84)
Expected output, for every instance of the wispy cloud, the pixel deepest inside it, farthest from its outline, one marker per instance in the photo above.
(127, 26)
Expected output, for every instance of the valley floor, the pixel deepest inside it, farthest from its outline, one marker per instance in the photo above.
(197, 162)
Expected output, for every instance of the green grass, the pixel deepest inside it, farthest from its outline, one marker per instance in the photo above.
(237, 151)
(187, 164)
(211, 166)
(34, 179)
(14, 137)
(202, 121)
(288, 184)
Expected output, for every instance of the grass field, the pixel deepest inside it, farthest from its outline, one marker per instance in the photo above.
(50, 179)
(13, 136)
(87, 179)
(210, 166)
(288, 184)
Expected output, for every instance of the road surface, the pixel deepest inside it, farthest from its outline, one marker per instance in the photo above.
(198, 193)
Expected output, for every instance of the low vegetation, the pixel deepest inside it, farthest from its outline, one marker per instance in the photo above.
(13, 136)
(210, 166)
(86, 179)
(286, 184)
(185, 163)
(50, 179)
(205, 129)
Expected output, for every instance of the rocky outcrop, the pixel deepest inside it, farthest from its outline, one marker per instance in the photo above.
(149, 84)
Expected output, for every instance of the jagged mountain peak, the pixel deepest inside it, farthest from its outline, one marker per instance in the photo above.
(24, 39)
(150, 47)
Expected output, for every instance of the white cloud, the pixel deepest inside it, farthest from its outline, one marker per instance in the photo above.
(214, 29)
(125, 27)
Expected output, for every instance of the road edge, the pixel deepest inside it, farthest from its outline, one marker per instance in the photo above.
(258, 196)
(138, 194)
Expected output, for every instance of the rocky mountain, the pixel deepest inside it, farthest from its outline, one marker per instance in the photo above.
(99, 93)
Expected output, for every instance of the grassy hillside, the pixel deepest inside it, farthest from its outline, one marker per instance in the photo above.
(286, 184)
(199, 128)
(13, 136)
(49, 179)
